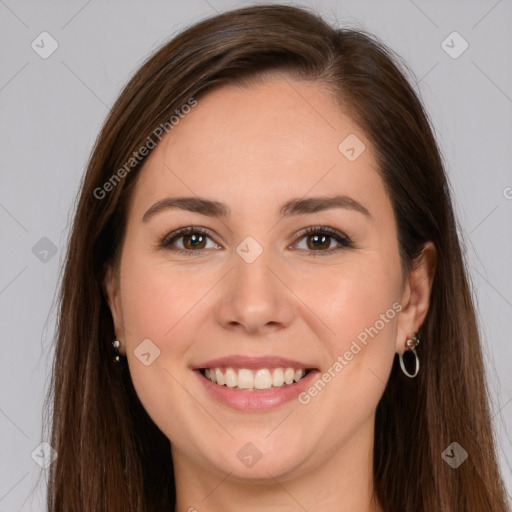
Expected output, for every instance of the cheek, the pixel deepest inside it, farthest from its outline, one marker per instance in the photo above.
(157, 297)
(157, 304)
(351, 297)
(160, 304)
(359, 302)
(361, 353)
(362, 301)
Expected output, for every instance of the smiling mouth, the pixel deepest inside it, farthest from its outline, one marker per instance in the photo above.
(261, 379)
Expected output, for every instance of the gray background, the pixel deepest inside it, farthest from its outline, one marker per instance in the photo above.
(52, 110)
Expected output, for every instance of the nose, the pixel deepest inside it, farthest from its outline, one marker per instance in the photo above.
(254, 296)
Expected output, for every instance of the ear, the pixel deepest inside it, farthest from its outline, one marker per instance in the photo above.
(416, 296)
(111, 287)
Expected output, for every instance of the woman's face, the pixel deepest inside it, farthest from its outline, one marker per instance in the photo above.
(250, 284)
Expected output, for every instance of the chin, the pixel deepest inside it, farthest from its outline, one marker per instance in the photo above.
(249, 463)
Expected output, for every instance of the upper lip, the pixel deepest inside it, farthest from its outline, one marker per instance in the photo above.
(254, 362)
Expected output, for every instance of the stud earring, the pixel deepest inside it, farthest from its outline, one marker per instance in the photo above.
(117, 355)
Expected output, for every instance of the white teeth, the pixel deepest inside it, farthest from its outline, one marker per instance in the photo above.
(298, 375)
(263, 378)
(230, 378)
(219, 377)
(288, 375)
(245, 379)
(278, 377)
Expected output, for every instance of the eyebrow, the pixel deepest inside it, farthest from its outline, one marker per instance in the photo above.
(293, 207)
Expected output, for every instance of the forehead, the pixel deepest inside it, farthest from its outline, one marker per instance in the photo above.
(262, 143)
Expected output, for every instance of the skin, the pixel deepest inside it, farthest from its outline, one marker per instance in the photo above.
(253, 149)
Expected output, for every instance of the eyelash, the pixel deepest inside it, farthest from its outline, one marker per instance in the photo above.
(343, 240)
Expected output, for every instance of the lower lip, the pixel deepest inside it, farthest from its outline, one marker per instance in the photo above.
(256, 400)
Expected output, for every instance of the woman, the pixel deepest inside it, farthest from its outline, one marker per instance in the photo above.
(265, 239)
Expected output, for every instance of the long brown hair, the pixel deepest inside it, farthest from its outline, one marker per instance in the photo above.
(111, 456)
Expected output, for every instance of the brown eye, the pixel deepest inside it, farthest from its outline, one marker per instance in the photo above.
(194, 240)
(319, 240)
